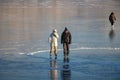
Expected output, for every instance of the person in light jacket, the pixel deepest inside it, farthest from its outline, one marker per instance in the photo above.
(112, 19)
(53, 40)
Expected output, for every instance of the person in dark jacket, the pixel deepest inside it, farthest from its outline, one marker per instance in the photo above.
(112, 19)
(66, 40)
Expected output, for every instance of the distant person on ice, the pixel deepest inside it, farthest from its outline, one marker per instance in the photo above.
(66, 40)
(112, 19)
(53, 40)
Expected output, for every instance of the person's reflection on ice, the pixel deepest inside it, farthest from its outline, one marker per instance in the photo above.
(66, 72)
(111, 34)
(53, 70)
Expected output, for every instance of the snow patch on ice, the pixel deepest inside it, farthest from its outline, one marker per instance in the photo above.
(75, 49)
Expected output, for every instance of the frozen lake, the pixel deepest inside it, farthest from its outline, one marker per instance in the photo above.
(24, 49)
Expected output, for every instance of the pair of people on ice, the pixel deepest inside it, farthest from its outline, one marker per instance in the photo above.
(65, 40)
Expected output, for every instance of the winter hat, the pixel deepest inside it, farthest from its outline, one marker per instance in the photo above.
(54, 30)
(66, 29)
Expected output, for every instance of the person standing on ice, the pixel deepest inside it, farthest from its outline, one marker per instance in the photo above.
(112, 19)
(66, 40)
(53, 40)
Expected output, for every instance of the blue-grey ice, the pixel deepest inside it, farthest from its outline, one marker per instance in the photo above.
(25, 26)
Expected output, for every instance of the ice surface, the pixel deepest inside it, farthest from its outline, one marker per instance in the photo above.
(24, 49)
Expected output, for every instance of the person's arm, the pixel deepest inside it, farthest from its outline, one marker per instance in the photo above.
(114, 17)
(70, 38)
(62, 38)
(49, 38)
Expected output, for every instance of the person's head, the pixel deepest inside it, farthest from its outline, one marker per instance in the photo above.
(54, 30)
(112, 13)
(66, 29)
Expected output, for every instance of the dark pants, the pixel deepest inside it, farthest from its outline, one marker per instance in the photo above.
(66, 49)
(112, 22)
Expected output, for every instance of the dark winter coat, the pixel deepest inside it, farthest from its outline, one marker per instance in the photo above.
(112, 18)
(66, 37)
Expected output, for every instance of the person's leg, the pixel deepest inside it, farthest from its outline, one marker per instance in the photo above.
(51, 49)
(64, 48)
(55, 51)
(112, 25)
(67, 49)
